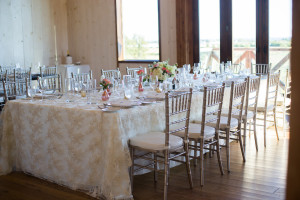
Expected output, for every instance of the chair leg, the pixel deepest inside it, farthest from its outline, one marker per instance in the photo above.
(244, 136)
(219, 157)
(275, 122)
(201, 162)
(188, 166)
(228, 149)
(132, 167)
(195, 152)
(265, 129)
(283, 117)
(210, 149)
(255, 137)
(242, 146)
(166, 174)
(155, 167)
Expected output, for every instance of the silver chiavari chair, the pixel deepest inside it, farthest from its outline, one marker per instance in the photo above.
(270, 103)
(48, 71)
(260, 69)
(230, 126)
(109, 74)
(235, 68)
(51, 83)
(177, 112)
(250, 108)
(84, 77)
(287, 97)
(203, 137)
(132, 71)
(14, 90)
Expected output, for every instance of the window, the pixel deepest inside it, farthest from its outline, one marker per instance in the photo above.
(244, 32)
(280, 34)
(138, 30)
(209, 33)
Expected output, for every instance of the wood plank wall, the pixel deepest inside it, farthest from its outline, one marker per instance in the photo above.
(293, 191)
(27, 31)
(92, 33)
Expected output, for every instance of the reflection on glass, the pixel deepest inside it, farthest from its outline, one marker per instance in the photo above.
(138, 30)
(243, 32)
(209, 34)
(280, 33)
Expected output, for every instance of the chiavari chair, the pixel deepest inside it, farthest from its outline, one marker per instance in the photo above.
(287, 97)
(48, 71)
(84, 77)
(177, 112)
(132, 71)
(230, 126)
(109, 74)
(14, 90)
(52, 82)
(235, 68)
(270, 103)
(203, 137)
(260, 69)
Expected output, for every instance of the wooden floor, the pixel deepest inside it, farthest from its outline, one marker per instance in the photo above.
(263, 176)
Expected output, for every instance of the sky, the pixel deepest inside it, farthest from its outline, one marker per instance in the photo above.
(147, 25)
(243, 17)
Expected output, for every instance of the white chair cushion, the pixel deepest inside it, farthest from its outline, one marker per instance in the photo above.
(155, 141)
(194, 131)
(223, 123)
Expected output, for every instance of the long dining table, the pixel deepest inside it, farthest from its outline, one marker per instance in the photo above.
(76, 144)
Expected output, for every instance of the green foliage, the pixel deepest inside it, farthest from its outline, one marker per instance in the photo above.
(135, 47)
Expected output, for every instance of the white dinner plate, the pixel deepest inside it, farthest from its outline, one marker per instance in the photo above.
(125, 103)
(110, 109)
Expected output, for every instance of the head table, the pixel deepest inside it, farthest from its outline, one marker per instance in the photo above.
(76, 144)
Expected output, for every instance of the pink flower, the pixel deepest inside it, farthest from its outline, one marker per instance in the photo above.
(156, 65)
(140, 72)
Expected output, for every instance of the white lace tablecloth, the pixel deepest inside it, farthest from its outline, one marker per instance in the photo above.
(77, 144)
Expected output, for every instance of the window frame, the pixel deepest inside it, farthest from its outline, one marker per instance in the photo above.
(159, 38)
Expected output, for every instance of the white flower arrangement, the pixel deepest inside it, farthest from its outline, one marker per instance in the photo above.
(163, 70)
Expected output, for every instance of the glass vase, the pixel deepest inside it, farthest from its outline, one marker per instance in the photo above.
(105, 95)
(141, 89)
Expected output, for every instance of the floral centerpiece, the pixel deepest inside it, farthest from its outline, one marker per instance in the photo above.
(105, 83)
(163, 70)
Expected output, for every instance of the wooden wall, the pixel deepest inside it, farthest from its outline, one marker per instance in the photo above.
(92, 33)
(27, 31)
(293, 176)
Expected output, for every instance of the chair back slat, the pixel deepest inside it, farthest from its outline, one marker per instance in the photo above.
(177, 108)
